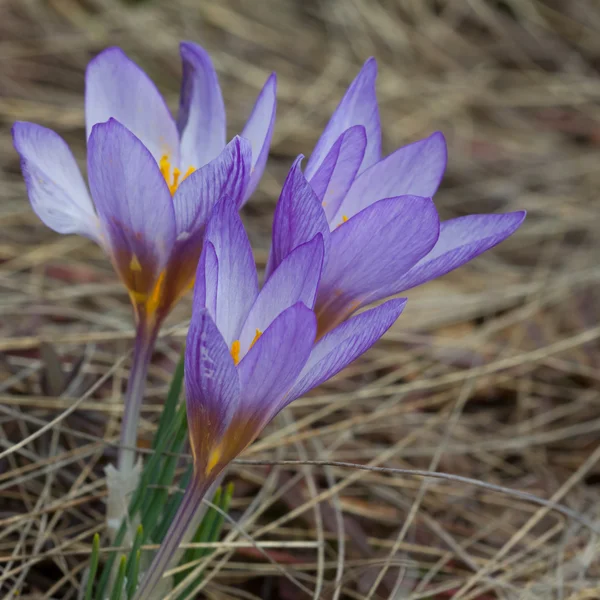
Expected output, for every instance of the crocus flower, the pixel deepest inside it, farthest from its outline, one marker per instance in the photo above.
(380, 229)
(251, 352)
(152, 181)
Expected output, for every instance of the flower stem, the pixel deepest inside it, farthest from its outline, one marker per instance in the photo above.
(142, 353)
(182, 521)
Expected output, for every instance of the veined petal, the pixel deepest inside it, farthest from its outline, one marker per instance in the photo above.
(274, 362)
(207, 277)
(201, 120)
(212, 387)
(227, 175)
(370, 252)
(236, 281)
(344, 344)
(298, 218)
(115, 87)
(133, 203)
(259, 131)
(295, 280)
(460, 241)
(336, 173)
(56, 189)
(415, 170)
(358, 107)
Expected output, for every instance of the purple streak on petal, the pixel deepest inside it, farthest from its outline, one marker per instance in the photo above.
(358, 107)
(212, 386)
(374, 249)
(201, 120)
(298, 218)
(115, 87)
(237, 281)
(295, 280)
(336, 173)
(415, 170)
(460, 241)
(56, 189)
(259, 131)
(274, 362)
(227, 175)
(131, 195)
(337, 349)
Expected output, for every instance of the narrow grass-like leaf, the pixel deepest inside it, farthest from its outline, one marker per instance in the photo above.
(133, 561)
(168, 514)
(133, 582)
(170, 405)
(94, 559)
(117, 591)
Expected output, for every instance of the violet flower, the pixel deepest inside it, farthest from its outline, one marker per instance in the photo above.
(153, 183)
(380, 229)
(250, 353)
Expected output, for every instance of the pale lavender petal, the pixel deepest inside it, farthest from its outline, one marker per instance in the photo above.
(295, 280)
(371, 251)
(207, 278)
(227, 175)
(56, 189)
(236, 281)
(212, 386)
(358, 107)
(274, 362)
(336, 173)
(460, 241)
(298, 218)
(115, 87)
(201, 120)
(131, 196)
(259, 131)
(415, 170)
(345, 343)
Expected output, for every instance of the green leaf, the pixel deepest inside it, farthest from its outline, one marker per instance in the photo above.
(133, 562)
(120, 580)
(168, 514)
(94, 559)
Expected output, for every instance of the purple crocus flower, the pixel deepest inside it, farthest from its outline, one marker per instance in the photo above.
(380, 229)
(251, 352)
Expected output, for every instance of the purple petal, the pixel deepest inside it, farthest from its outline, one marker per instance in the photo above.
(295, 280)
(336, 350)
(371, 251)
(336, 173)
(274, 362)
(56, 189)
(358, 107)
(226, 175)
(115, 87)
(414, 170)
(207, 277)
(201, 121)
(298, 218)
(259, 131)
(460, 241)
(236, 281)
(132, 199)
(212, 386)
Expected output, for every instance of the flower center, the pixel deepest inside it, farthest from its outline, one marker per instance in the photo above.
(173, 180)
(236, 348)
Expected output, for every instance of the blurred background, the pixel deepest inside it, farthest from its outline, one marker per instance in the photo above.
(492, 372)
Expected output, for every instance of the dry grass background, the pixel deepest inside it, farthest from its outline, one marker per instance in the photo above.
(491, 373)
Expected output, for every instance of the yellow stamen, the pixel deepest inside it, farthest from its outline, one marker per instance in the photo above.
(188, 172)
(256, 336)
(134, 265)
(174, 181)
(344, 218)
(213, 460)
(165, 167)
(235, 352)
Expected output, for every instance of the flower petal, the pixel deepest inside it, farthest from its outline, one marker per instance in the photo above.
(298, 218)
(274, 362)
(344, 344)
(295, 280)
(133, 202)
(259, 131)
(115, 87)
(56, 189)
(358, 107)
(226, 175)
(336, 173)
(212, 386)
(460, 241)
(415, 170)
(370, 252)
(236, 281)
(201, 120)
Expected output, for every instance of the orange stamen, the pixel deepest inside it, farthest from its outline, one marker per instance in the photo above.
(256, 336)
(235, 352)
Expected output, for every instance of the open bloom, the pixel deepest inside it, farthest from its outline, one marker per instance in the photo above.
(153, 181)
(381, 232)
